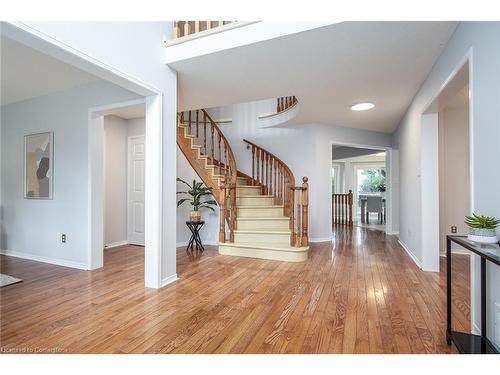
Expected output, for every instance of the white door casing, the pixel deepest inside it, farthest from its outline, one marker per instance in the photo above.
(135, 193)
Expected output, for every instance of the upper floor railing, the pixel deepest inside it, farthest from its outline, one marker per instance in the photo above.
(285, 102)
(342, 208)
(185, 28)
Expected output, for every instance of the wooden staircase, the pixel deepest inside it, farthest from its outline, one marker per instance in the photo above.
(263, 215)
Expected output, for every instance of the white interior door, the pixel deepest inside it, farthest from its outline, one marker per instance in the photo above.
(136, 153)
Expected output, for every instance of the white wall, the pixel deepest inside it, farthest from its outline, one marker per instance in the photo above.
(454, 161)
(135, 49)
(483, 39)
(136, 126)
(33, 228)
(115, 180)
(305, 148)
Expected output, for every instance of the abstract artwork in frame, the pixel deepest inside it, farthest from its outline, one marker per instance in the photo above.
(38, 165)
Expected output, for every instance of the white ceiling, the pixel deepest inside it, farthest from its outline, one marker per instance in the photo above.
(27, 73)
(328, 69)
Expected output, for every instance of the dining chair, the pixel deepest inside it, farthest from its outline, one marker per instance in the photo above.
(374, 204)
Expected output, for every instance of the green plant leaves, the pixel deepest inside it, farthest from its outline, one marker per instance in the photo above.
(196, 191)
(481, 221)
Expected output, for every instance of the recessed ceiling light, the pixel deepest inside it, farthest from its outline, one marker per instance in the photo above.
(362, 106)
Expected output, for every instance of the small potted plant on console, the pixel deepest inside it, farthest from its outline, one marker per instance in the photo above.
(196, 192)
(482, 229)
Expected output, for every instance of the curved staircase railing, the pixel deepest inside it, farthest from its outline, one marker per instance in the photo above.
(277, 180)
(210, 154)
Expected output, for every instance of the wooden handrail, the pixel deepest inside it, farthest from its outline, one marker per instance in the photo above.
(216, 147)
(276, 179)
(185, 28)
(342, 208)
(285, 102)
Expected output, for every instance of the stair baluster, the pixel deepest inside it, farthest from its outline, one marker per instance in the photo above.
(253, 165)
(197, 124)
(205, 133)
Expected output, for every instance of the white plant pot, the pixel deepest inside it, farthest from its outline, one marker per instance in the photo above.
(483, 235)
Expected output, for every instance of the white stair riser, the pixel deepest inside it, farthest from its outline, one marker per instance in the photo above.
(247, 191)
(287, 256)
(260, 212)
(258, 201)
(262, 224)
(241, 181)
(262, 238)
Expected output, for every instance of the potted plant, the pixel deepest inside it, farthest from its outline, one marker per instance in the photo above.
(196, 191)
(482, 228)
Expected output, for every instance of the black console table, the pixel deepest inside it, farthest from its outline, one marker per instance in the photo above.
(467, 342)
(194, 227)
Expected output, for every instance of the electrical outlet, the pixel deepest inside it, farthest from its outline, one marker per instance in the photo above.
(453, 229)
(63, 238)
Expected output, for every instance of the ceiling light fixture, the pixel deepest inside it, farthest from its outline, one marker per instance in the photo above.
(362, 106)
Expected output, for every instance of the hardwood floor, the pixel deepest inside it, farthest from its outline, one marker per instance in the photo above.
(359, 294)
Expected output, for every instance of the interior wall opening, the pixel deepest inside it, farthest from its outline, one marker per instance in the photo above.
(447, 138)
(359, 187)
(124, 185)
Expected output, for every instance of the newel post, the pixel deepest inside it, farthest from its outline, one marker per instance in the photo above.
(232, 199)
(350, 208)
(222, 214)
(305, 205)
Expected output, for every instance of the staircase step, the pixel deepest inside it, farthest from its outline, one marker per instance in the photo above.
(263, 223)
(242, 181)
(254, 200)
(262, 237)
(274, 252)
(259, 211)
(248, 190)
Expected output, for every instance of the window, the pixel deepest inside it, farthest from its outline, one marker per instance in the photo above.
(336, 179)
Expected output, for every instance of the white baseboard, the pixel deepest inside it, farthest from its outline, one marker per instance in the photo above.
(116, 244)
(39, 258)
(321, 239)
(411, 255)
(169, 280)
(392, 234)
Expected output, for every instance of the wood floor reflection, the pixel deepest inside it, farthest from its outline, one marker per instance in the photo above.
(359, 294)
